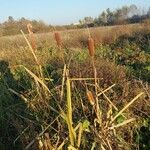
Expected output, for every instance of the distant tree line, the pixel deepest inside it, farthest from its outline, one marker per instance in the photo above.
(12, 26)
(124, 15)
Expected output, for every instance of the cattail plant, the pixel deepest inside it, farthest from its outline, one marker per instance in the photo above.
(58, 39)
(31, 36)
(91, 47)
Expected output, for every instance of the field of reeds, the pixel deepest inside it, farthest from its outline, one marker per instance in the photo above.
(84, 89)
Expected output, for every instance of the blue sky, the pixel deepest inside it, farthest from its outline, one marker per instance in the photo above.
(61, 11)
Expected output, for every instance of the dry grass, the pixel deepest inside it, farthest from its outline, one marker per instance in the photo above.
(11, 45)
(88, 106)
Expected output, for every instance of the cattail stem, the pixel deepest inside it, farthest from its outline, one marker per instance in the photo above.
(97, 109)
(88, 32)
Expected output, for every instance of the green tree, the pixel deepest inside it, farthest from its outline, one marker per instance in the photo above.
(10, 19)
(110, 17)
(103, 18)
(148, 12)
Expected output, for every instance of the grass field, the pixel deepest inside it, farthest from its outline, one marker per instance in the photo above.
(71, 93)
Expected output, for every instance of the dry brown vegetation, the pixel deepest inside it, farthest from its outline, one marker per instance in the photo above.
(73, 39)
(65, 98)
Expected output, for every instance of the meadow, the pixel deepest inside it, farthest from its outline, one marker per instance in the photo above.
(82, 89)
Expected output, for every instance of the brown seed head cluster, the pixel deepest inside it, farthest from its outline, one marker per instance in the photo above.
(29, 27)
(91, 47)
(90, 97)
(31, 36)
(58, 39)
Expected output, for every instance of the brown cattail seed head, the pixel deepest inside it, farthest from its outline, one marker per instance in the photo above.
(90, 97)
(58, 39)
(31, 36)
(91, 47)
(29, 27)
